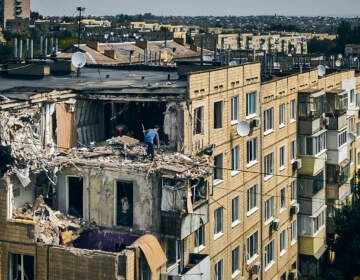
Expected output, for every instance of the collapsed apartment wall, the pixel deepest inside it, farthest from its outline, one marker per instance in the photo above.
(100, 196)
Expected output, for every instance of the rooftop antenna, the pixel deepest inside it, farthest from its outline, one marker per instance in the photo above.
(78, 60)
(79, 9)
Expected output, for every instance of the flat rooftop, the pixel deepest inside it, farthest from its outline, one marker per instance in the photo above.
(97, 79)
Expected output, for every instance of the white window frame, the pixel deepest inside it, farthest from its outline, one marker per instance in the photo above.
(251, 104)
(268, 166)
(219, 270)
(282, 155)
(269, 254)
(221, 125)
(268, 121)
(218, 231)
(251, 152)
(235, 160)
(282, 239)
(292, 110)
(293, 191)
(252, 242)
(235, 211)
(293, 150)
(252, 200)
(235, 264)
(293, 235)
(342, 138)
(234, 109)
(218, 170)
(282, 199)
(269, 210)
(282, 115)
(200, 232)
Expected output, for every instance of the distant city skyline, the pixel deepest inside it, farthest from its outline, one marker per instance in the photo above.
(202, 8)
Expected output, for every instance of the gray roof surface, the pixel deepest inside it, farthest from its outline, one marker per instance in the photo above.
(93, 79)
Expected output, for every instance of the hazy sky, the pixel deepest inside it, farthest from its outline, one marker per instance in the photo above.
(200, 7)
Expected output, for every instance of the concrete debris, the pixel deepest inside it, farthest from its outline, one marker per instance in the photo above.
(50, 226)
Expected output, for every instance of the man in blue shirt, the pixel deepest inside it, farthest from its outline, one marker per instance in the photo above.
(150, 136)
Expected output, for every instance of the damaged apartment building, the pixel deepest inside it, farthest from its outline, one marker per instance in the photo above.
(79, 201)
(225, 198)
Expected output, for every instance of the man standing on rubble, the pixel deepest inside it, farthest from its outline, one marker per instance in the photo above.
(150, 136)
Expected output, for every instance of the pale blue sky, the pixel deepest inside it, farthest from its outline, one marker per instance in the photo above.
(201, 7)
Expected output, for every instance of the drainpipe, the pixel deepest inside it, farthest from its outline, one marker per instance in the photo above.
(261, 183)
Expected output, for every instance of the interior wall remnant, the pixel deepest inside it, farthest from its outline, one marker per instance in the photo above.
(65, 126)
(48, 111)
(173, 125)
(89, 122)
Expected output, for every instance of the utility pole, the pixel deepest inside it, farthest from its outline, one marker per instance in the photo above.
(79, 9)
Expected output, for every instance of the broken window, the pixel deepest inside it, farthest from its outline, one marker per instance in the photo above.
(75, 196)
(199, 120)
(21, 267)
(218, 110)
(124, 204)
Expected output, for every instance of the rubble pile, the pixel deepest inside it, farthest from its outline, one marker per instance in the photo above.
(128, 153)
(51, 227)
(21, 132)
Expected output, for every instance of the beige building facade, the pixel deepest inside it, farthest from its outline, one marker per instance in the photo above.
(13, 9)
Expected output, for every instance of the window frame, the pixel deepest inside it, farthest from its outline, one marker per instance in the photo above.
(251, 104)
(268, 166)
(219, 264)
(282, 238)
(269, 209)
(251, 151)
(234, 109)
(218, 225)
(235, 211)
(269, 120)
(282, 156)
(252, 247)
(199, 122)
(218, 119)
(252, 199)
(282, 115)
(269, 257)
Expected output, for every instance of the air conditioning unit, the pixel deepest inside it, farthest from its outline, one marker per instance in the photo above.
(294, 209)
(275, 224)
(255, 122)
(297, 164)
(255, 269)
(293, 274)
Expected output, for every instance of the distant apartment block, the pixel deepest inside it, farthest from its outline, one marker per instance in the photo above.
(13, 9)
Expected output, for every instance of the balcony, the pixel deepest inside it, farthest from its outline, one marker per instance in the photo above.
(311, 104)
(336, 122)
(197, 268)
(184, 206)
(336, 102)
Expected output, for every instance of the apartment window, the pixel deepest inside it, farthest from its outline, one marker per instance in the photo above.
(235, 210)
(358, 128)
(270, 253)
(235, 108)
(282, 157)
(282, 114)
(251, 150)
(283, 276)
(218, 112)
(351, 155)
(235, 159)
(200, 237)
(319, 221)
(293, 149)
(293, 231)
(318, 182)
(252, 198)
(199, 120)
(283, 241)
(252, 246)
(342, 138)
(282, 198)
(235, 261)
(219, 270)
(352, 94)
(312, 145)
(269, 209)
(269, 165)
(20, 266)
(218, 167)
(250, 103)
(292, 110)
(218, 222)
(269, 120)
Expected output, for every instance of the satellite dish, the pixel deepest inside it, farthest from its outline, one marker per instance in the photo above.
(78, 59)
(340, 56)
(243, 128)
(321, 70)
(338, 63)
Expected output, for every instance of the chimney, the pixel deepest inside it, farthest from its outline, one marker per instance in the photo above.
(94, 45)
(110, 53)
(180, 41)
(142, 44)
(193, 48)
